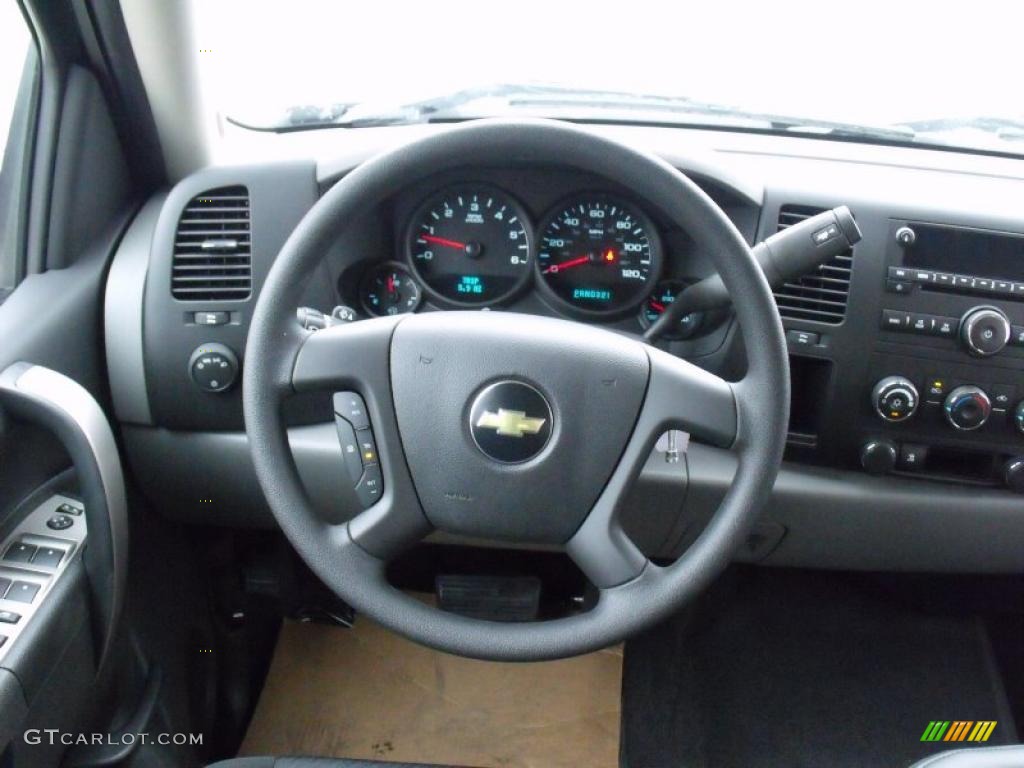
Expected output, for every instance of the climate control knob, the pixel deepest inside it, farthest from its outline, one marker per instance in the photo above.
(967, 408)
(894, 398)
(1018, 417)
(984, 331)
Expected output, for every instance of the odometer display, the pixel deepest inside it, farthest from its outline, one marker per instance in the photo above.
(599, 255)
(470, 245)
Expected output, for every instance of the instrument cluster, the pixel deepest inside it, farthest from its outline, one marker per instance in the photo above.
(592, 256)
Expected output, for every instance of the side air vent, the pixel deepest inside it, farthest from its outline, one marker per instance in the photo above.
(820, 295)
(212, 256)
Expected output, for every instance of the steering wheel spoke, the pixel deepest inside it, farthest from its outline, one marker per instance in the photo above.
(679, 396)
(353, 359)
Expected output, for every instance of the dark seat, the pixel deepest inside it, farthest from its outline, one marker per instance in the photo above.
(310, 762)
(987, 757)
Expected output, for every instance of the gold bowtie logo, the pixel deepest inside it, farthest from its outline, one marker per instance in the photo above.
(510, 423)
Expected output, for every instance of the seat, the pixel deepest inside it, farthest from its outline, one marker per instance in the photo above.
(311, 762)
(1011, 756)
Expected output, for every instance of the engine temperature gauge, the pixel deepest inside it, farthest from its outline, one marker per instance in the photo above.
(665, 293)
(389, 289)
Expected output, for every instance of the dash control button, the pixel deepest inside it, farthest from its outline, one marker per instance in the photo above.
(59, 523)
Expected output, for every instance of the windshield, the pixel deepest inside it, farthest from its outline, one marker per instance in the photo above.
(915, 72)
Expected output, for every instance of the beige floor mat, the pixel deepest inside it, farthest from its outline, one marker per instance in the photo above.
(367, 693)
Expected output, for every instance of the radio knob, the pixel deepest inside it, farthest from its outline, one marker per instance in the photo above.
(984, 331)
(878, 457)
(967, 408)
(905, 236)
(894, 398)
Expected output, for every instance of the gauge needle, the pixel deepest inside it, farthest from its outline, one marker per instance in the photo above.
(391, 283)
(657, 306)
(556, 268)
(443, 241)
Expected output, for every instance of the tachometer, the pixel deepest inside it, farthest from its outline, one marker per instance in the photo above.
(470, 245)
(599, 255)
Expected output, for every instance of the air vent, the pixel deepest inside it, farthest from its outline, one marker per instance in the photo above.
(212, 257)
(820, 295)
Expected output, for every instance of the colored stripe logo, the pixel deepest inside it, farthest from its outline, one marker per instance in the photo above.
(959, 730)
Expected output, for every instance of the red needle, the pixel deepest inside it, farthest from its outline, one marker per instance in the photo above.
(657, 306)
(443, 241)
(391, 283)
(556, 268)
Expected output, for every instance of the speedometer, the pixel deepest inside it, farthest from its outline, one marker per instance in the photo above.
(599, 255)
(470, 245)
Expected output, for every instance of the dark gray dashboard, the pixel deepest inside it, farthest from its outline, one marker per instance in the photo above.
(188, 447)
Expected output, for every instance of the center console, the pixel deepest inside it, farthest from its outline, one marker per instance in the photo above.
(944, 394)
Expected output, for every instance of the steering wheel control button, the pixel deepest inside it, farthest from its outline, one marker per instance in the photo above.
(984, 331)
(510, 422)
(967, 408)
(350, 406)
(213, 367)
(370, 486)
(59, 523)
(895, 398)
(19, 552)
(22, 592)
(349, 449)
(367, 446)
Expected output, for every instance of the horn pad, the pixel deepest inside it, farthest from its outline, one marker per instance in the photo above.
(512, 424)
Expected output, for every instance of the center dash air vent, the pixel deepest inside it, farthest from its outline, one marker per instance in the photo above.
(212, 248)
(819, 295)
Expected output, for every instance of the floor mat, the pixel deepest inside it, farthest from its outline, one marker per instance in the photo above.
(367, 693)
(799, 670)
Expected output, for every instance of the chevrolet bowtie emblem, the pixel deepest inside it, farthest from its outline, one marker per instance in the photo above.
(510, 423)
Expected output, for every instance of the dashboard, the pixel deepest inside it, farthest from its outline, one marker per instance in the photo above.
(906, 436)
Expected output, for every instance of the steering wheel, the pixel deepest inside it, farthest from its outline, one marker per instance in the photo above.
(513, 427)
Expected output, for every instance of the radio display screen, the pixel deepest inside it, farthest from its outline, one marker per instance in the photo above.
(971, 252)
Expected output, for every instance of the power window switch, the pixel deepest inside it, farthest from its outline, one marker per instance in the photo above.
(19, 552)
(48, 557)
(22, 592)
(69, 509)
(4, 584)
(9, 617)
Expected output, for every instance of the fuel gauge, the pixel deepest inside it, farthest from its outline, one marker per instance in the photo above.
(389, 289)
(665, 293)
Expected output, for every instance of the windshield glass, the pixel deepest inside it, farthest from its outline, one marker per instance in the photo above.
(907, 71)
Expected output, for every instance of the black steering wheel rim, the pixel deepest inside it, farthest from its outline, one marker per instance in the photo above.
(338, 555)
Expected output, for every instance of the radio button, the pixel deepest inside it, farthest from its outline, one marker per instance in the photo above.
(899, 273)
(1018, 289)
(963, 281)
(1017, 335)
(943, 278)
(894, 320)
(982, 284)
(923, 276)
(1002, 286)
(902, 287)
(946, 327)
(922, 323)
